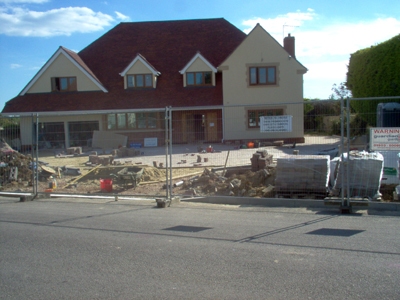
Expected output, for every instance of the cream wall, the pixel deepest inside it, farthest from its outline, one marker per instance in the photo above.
(260, 49)
(199, 66)
(62, 67)
(139, 68)
(27, 128)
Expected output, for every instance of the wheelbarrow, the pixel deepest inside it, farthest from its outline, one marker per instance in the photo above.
(129, 175)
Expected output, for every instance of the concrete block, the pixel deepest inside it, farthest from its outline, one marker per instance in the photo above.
(94, 159)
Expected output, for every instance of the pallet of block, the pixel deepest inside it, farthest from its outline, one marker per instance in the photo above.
(302, 175)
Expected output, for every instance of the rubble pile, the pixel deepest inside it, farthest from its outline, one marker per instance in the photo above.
(248, 184)
(14, 167)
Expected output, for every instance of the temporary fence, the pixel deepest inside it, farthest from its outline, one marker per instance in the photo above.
(278, 150)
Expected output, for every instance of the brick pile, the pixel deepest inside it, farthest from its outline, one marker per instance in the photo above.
(260, 160)
(302, 175)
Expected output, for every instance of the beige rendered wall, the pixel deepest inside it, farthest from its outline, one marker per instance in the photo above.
(139, 68)
(62, 67)
(260, 49)
(199, 66)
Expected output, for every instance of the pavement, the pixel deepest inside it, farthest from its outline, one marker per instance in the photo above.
(237, 157)
(102, 249)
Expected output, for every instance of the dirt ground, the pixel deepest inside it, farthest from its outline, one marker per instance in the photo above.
(197, 180)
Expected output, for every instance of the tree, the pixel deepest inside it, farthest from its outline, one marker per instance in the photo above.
(374, 72)
(340, 91)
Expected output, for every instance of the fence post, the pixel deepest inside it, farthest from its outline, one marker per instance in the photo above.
(166, 152)
(170, 154)
(342, 147)
(36, 170)
(348, 151)
(33, 154)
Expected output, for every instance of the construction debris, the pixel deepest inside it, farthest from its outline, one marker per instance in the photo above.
(236, 183)
(14, 167)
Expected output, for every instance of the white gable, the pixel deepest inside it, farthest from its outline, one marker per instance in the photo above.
(202, 58)
(61, 52)
(144, 62)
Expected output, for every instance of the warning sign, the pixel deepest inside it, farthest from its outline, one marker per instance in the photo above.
(385, 138)
(276, 123)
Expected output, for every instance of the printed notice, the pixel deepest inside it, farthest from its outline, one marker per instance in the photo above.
(150, 142)
(276, 123)
(385, 138)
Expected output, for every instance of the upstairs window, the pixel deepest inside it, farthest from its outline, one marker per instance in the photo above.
(198, 79)
(254, 116)
(63, 84)
(140, 81)
(262, 75)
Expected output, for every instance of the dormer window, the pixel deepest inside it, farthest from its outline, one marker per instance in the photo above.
(198, 78)
(198, 72)
(63, 84)
(140, 74)
(138, 81)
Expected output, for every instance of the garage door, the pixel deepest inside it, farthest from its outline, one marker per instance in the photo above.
(81, 133)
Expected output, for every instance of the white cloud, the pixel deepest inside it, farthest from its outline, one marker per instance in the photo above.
(327, 70)
(275, 26)
(340, 39)
(15, 66)
(63, 21)
(121, 16)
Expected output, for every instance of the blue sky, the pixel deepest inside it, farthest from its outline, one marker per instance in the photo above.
(326, 32)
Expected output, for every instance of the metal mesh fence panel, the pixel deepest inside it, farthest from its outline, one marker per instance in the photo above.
(282, 150)
(257, 150)
(118, 153)
(15, 164)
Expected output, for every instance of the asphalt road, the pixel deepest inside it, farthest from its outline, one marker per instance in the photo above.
(98, 249)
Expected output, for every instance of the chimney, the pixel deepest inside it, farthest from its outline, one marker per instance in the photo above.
(288, 45)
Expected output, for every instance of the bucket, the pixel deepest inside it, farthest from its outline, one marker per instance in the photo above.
(106, 185)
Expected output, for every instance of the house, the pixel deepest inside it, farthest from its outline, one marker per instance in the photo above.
(218, 80)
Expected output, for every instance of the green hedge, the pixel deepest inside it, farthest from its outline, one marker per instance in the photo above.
(374, 72)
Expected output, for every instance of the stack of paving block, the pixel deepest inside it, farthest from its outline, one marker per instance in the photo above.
(365, 174)
(260, 160)
(302, 175)
(74, 150)
(127, 152)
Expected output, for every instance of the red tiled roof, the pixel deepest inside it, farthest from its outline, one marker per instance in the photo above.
(166, 45)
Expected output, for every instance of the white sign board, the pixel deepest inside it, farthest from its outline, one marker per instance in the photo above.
(276, 123)
(385, 138)
(150, 142)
